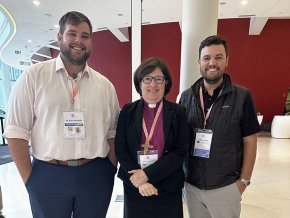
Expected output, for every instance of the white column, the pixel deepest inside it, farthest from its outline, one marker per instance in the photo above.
(136, 22)
(199, 20)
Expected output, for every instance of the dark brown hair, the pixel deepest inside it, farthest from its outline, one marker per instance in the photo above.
(74, 18)
(147, 67)
(213, 40)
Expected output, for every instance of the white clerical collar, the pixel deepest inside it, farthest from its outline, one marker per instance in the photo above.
(152, 105)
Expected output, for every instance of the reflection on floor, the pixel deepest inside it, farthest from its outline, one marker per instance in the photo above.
(267, 197)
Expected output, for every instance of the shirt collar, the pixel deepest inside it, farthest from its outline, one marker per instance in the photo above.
(216, 91)
(59, 67)
(147, 105)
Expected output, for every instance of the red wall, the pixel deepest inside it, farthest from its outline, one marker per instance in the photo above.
(164, 41)
(261, 63)
(112, 58)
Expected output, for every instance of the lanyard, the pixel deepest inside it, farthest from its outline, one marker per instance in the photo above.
(202, 106)
(148, 137)
(74, 85)
(74, 90)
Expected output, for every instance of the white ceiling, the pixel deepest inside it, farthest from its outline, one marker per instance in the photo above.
(36, 23)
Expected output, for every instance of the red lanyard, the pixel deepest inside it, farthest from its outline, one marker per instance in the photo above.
(74, 90)
(148, 137)
(202, 106)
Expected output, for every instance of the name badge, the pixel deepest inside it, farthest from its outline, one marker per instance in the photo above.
(74, 127)
(147, 159)
(202, 144)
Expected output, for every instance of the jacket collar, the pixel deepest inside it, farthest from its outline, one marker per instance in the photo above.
(227, 85)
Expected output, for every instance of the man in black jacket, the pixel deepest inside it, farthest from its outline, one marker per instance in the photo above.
(223, 124)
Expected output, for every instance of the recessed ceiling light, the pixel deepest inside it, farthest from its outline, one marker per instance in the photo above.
(29, 40)
(102, 28)
(247, 15)
(244, 2)
(56, 26)
(36, 2)
(48, 15)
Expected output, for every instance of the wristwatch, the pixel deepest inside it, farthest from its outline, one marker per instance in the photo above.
(245, 181)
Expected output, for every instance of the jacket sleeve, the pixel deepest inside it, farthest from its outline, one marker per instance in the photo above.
(122, 148)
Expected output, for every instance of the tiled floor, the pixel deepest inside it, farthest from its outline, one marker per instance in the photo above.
(267, 197)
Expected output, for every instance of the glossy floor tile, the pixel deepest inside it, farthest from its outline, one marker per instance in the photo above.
(267, 197)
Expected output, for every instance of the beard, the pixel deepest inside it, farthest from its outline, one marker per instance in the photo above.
(67, 53)
(212, 79)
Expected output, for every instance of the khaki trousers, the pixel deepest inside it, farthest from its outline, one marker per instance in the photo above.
(222, 202)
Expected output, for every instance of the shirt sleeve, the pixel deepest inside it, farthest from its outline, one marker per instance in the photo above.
(249, 123)
(114, 110)
(20, 112)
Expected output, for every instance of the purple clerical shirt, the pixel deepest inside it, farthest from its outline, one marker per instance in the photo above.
(157, 139)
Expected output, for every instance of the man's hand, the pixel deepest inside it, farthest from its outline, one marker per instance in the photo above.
(20, 152)
(111, 155)
(241, 186)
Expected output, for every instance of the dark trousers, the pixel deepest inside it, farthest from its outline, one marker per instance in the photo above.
(163, 205)
(57, 191)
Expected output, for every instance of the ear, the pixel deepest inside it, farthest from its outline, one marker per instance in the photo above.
(227, 61)
(59, 36)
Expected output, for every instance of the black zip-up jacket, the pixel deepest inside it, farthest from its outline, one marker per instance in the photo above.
(224, 164)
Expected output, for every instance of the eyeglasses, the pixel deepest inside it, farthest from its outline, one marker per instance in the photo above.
(157, 79)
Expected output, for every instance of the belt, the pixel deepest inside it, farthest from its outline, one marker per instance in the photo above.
(71, 163)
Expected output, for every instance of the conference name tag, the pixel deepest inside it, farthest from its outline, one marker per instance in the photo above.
(202, 143)
(74, 125)
(147, 159)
